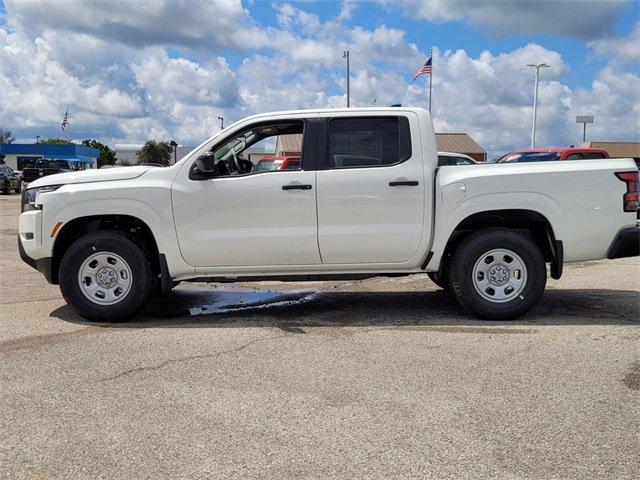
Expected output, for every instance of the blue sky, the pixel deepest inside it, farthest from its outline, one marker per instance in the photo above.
(132, 72)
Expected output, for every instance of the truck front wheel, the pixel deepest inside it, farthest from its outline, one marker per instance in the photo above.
(498, 274)
(104, 276)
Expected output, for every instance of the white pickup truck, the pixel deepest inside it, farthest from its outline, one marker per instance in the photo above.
(367, 199)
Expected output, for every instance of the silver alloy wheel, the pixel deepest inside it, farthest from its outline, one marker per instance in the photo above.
(105, 278)
(499, 275)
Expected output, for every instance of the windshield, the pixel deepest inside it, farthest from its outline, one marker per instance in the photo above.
(529, 157)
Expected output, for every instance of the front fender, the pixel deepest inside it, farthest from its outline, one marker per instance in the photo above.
(155, 211)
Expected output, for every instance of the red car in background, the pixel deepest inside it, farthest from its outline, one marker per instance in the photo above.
(546, 154)
(272, 162)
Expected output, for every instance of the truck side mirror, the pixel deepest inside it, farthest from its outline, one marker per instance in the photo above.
(206, 163)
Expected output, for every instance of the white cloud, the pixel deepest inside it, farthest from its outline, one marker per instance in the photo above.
(346, 10)
(583, 19)
(198, 24)
(167, 80)
(623, 48)
(34, 88)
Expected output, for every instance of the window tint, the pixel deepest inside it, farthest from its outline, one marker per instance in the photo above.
(592, 155)
(460, 161)
(443, 160)
(574, 156)
(529, 157)
(368, 142)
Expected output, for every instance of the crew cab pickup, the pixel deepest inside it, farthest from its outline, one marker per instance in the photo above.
(367, 199)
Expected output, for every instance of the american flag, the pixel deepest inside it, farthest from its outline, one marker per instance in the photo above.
(65, 119)
(424, 69)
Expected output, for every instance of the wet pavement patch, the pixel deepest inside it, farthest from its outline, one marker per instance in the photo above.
(224, 300)
(244, 299)
(632, 378)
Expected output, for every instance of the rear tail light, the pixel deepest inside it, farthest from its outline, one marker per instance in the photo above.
(630, 198)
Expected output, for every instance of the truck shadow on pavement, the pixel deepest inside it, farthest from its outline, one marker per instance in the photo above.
(295, 309)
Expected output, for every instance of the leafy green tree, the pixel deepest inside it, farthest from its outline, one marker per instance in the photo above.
(5, 136)
(56, 141)
(107, 156)
(156, 152)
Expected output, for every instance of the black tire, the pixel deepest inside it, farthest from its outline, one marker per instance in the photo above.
(440, 280)
(472, 249)
(142, 280)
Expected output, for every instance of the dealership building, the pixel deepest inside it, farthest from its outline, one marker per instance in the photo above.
(21, 155)
(617, 149)
(460, 143)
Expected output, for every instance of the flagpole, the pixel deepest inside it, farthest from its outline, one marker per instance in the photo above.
(430, 76)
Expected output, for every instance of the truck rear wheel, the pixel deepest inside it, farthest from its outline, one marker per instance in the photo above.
(104, 276)
(497, 274)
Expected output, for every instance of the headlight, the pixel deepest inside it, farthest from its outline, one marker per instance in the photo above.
(30, 197)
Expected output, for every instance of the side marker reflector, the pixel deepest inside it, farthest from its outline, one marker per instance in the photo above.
(55, 229)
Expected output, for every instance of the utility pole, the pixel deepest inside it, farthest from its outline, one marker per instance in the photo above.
(345, 54)
(535, 100)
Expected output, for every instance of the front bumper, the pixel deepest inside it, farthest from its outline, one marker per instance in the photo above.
(43, 265)
(626, 244)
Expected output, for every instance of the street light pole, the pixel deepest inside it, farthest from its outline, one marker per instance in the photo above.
(345, 54)
(221, 122)
(535, 100)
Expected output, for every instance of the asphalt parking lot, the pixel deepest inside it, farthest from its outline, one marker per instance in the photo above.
(384, 378)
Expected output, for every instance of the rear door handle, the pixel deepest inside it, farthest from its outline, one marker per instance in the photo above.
(404, 183)
(296, 186)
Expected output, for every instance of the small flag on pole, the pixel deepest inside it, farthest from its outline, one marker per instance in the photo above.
(65, 119)
(424, 69)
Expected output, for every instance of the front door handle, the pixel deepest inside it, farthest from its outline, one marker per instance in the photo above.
(405, 183)
(296, 186)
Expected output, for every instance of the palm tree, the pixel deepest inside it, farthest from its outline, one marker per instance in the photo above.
(155, 152)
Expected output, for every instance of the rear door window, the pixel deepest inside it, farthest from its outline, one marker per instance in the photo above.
(368, 142)
(592, 155)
